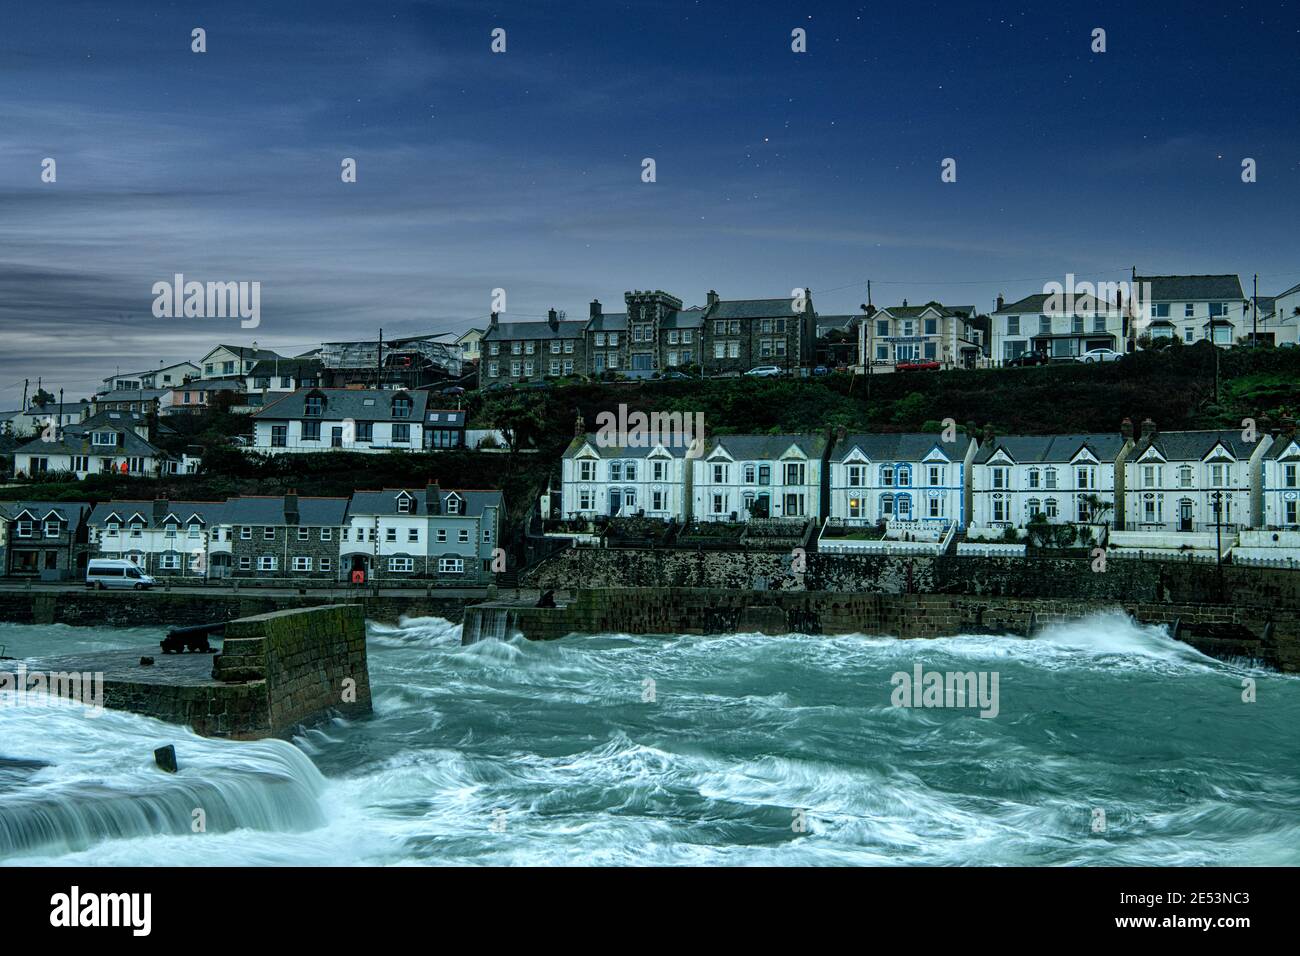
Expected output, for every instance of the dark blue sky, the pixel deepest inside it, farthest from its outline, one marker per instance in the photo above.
(522, 170)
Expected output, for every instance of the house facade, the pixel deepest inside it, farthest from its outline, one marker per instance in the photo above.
(448, 537)
(601, 480)
(100, 445)
(914, 484)
(284, 536)
(1280, 476)
(1075, 479)
(235, 361)
(44, 540)
(1193, 481)
(926, 333)
(1056, 327)
(164, 538)
(740, 477)
(469, 344)
(739, 334)
(531, 351)
(164, 377)
(365, 420)
(1207, 308)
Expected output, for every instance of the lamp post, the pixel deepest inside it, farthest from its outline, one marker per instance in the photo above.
(1218, 539)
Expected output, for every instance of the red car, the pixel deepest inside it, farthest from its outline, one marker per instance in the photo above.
(916, 367)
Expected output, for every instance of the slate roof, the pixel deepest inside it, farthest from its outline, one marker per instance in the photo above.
(753, 309)
(209, 512)
(1194, 445)
(246, 352)
(1279, 448)
(269, 510)
(359, 404)
(442, 417)
(908, 446)
(1037, 302)
(385, 502)
(70, 512)
(297, 367)
(608, 322)
(683, 319)
(1193, 288)
(510, 331)
(212, 385)
(1026, 449)
(766, 447)
(612, 451)
(134, 394)
(839, 323)
(110, 418)
(75, 440)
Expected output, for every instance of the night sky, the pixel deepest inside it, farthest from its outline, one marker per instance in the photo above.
(522, 170)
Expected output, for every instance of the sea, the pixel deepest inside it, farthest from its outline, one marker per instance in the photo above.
(1099, 743)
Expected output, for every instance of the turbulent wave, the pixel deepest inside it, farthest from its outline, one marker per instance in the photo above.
(742, 749)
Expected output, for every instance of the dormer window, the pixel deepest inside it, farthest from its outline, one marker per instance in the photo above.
(52, 529)
(315, 405)
(110, 530)
(403, 505)
(24, 529)
(170, 528)
(104, 438)
(453, 505)
(402, 407)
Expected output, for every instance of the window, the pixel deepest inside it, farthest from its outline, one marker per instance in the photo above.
(304, 534)
(1216, 476)
(267, 562)
(451, 566)
(279, 436)
(904, 476)
(887, 476)
(1150, 476)
(1189, 310)
(136, 529)
(719, 474)
(412, 535)
(245, 563)
(1185, 476)
(401, 407)
(999, 477)
(615, 471)
(440, 535)
(403, 505)
(1049, 508)
(365, 431)
(301, 563)
(326, 564)
(268, 534)
(80, 463)
(936, 507)
(311, 431)
(1050, 478)
(110, 531)
(314, 405)
(719, 504)
(1013, 325)
(401, 432)
(764, 474)
(245, 533)
(405, 565)
(326, 534)
(1291, 512)
(794, 473)
(1044, 325)
(855, 476)
(390, 534)
(1085, 477)
(936, 475)
(463, 534)
(1288, 476)
(1032, 507)
(169, 529)
(194, 529)
(1035, 478)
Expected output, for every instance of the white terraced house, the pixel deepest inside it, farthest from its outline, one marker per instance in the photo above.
(1194, 308)
(925, 333)
(915, 484)
(1183, 488)
(1281, 482)
(427, 533)
(161, 537)
(740, 477)
(1057, 328)
(324, 419)
(596, 479)
(1061, 477)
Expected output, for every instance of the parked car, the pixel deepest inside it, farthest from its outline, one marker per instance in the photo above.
(1026, 359)
(764, 371)
(916, 366)
(821, 370)
(453, 390)
(675, 374)
(1100, 355)
(104, 573)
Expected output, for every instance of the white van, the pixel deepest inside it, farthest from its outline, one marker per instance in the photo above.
(115, 573)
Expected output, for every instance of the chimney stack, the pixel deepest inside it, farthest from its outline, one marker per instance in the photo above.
(713, 298)
(492, 322)
(905, 303)
(1148, 429)
(552, 320)
(160, 508)
(595, 308)
(1126, 429)
(579, 426)
(433, 499)
(291, 507)
(987, 438)
(1001, 302)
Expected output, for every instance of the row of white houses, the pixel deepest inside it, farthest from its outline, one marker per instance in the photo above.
(918, 485)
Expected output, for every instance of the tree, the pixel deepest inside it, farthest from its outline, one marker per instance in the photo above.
(521, 422)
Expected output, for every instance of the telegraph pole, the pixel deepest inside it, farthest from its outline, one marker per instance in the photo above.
(1255, 309)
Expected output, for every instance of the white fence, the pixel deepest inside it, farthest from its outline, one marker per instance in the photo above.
(1145, 554)
(891, 548)
(973, 549)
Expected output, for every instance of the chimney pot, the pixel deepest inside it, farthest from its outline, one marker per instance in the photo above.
(1001, 302)
(1148, 429)
(1126, 429)
(595, 308)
